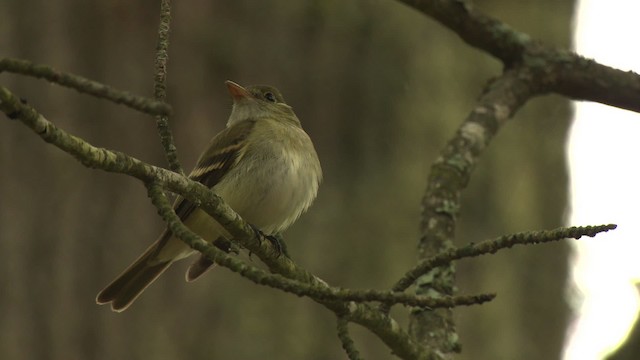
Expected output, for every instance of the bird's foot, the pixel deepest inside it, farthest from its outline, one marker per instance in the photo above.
(276, 240)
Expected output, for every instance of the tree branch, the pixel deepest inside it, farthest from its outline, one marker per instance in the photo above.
(475, 28)
(493, 246)
(448, 176)
(560, 71)
(586, 79)
(345, 339)
(160, 87)
(84, 85)
(368, 316)
(319, 291)
(531, 69)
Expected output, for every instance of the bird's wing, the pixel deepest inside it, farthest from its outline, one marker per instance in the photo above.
(223, 153)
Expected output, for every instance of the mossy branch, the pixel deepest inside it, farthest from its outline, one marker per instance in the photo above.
(558, 70)
(289, 273)
(495, 245)
(530, 69)
(347, 342)
(160, 87)
(85, 86)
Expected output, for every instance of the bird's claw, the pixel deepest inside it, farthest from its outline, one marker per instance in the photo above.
(275, 240)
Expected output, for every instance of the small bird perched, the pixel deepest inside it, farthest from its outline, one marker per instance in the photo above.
(263, 165)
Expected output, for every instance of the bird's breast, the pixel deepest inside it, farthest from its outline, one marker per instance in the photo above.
(274, 183)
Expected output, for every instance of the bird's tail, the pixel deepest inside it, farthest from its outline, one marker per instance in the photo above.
(203, 264)
(123, 291)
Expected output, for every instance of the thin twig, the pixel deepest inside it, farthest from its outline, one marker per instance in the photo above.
(492, 246)
(84, 85)
(160, 86)
(345, 339)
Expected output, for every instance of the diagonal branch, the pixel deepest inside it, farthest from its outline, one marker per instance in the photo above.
(585, 79)
(492, 246)
(345, 339)
(560, 71)
(84, 85)
(318, 290)
(385, 327)
(475, 28)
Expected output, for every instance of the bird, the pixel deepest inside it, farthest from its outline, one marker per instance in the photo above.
(263, 165)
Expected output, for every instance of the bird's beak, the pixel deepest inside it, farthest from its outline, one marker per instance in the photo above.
(236, 91)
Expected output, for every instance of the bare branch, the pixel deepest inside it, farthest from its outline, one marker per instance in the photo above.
(585, 79)
(493, 246)
(475, 28)
(448, 176)
(531, 69)
(345, 339)
(557, 70)
(368, 316)
(318, 291)
(84, 85)
(160, 87)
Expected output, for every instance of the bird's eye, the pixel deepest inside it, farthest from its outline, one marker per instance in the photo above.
(270, 97)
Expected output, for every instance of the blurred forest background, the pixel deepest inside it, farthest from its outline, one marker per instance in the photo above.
(378, 86)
